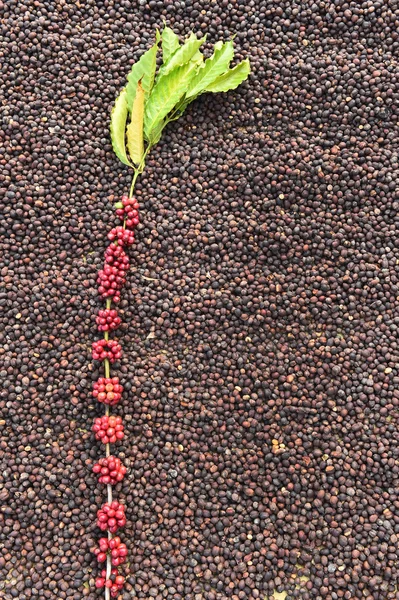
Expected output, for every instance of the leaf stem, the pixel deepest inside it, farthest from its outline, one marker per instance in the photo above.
(138, 170)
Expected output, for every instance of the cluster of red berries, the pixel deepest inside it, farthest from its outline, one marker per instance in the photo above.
(124, 237)
(111, 516)
(130, 211)
(115, 583)
(110, 281)
(117, 549)
(110, 469)
(108, 429)
(115, 256)
(106, 349)
(108, 319)
(111, 278)
(107, 390)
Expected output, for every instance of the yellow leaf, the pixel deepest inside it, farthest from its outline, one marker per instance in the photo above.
(134, 132)
(118, 124)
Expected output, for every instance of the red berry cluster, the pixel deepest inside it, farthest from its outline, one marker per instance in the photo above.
(117, 549)
(110, 280)
(110, 469)
(109, 349)
(115, 583)
(111, 516)
(107, 390)
(130, 211)
(108, 319)
(115, 256)
(124, 237)
(108, 429)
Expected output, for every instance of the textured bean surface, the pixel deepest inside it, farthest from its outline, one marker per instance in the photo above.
(260, 319)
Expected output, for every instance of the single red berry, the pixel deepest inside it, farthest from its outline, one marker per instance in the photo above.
(100, 582)
(113, 542)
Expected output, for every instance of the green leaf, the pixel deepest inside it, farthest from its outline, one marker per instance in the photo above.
(134, 132)
(197, 58)
(118, 127)
(167, 92)
(231, 79)
(157, 132)
(170, 43)
(143, 69)
(182, 55)
(213, 67)
(181, 106)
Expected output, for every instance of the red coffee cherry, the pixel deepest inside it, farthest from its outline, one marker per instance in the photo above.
(107, 390)
(108, 429)
(110, 469)
(100, 582)
(103, 349)
(108, 320)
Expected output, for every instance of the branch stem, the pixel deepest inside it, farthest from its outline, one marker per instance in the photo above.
(107, 372)
(106, 362)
